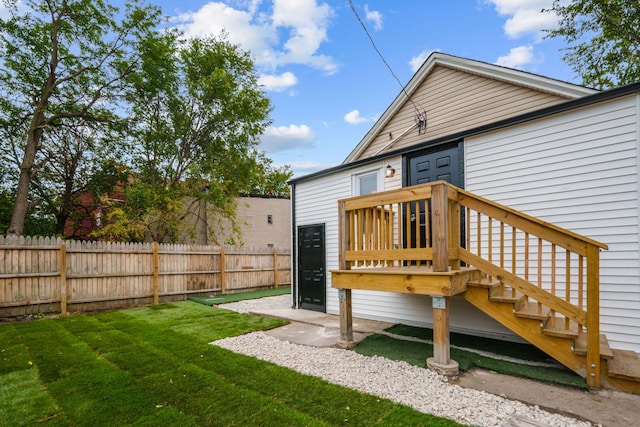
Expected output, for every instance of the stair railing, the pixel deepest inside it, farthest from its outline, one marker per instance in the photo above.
(543, 264)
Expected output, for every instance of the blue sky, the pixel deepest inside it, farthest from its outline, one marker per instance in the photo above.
(325, 80)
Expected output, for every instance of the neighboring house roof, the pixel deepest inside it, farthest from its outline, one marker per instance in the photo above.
(454, 92)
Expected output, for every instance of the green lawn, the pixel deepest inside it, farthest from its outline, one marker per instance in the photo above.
(241, 296)
(152, 366)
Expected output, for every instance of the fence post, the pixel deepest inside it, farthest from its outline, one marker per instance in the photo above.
(223, 285)
(275, 269)
(63, 279)
(156, 274)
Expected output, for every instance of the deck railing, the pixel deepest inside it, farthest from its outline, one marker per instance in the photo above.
(442, 227)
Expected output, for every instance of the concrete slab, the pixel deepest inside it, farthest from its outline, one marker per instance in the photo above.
(317, 329)
(311, 335)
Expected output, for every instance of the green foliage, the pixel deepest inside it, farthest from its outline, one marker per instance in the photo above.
(603, 38)
(154, 366)
(197, 112)
(270, 180)
(93, 98)
(37, 223)
(6, 207)
(63, 68)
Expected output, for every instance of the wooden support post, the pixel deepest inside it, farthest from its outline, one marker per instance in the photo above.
(441, 361)
(441, 350)
(223, 279)
(344, 295)
(593, 316)
(156, 274)
(346, 319)
(63, 280)
(275, 269)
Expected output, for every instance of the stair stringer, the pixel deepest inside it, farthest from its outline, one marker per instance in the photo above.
(529, 329)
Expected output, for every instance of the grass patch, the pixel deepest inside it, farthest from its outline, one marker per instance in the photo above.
(416, 354)
(241, 296)
(505, 348)
(152, 366)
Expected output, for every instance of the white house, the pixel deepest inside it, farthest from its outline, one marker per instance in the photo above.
(563, 153)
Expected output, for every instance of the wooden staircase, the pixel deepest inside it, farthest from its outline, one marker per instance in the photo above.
(563, 341)
(539, 280)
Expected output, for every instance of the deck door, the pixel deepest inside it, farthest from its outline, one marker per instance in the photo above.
(311, 267)
(443, 164)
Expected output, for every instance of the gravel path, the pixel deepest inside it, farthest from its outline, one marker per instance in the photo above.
(419, 388)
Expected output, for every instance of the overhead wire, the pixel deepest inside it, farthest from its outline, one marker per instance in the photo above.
(373, 43)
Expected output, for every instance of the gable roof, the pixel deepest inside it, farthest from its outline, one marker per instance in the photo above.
(560, 91)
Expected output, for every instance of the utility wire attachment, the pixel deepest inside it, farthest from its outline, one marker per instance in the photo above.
(421, 121)
(373, 43)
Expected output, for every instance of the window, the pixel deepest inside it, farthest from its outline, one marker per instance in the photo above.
(366, 183)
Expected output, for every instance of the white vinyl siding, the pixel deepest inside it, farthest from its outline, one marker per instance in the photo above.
(578, 170)
(316, 202)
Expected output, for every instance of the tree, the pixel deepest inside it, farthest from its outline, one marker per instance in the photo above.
(63, 62)
(270, 180)
(82, 165)
(197, 111)
(603, 38)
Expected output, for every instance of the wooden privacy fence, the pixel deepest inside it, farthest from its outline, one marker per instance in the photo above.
(42, 274)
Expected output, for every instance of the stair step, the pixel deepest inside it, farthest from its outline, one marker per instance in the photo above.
(580, 346)
(559, 330)
(503, 294)
(624, 365)
(530, 309)
(485, 282)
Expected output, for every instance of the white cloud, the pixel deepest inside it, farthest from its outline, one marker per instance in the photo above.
(416, 62)
(278, 82)
(373, 16)
(282, 138)
(287, 33)
(517, 57)
(354, 118)
(525, 17)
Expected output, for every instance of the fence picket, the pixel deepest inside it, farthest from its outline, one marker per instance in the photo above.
(44, 274)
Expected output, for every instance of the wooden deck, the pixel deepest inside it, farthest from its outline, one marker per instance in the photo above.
(539, 280)
(407, 280)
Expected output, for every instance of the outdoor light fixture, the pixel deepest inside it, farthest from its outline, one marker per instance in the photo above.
(390, 171)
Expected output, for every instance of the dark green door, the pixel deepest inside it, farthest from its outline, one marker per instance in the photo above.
(312, 277)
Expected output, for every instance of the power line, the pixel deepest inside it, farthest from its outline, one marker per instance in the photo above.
(373, 43)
